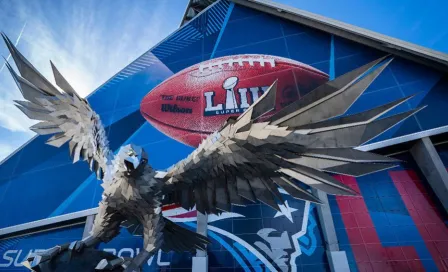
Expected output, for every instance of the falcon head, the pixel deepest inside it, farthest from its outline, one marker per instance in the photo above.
(134, 158)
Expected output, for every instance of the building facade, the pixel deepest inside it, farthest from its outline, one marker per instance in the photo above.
(398, 222)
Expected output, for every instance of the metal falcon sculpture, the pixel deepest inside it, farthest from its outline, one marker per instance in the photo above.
(245, 160)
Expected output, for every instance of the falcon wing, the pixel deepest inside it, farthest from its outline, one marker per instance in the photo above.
(249, 160)
(64, 114)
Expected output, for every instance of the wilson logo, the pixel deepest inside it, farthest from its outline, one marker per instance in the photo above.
(175, 109)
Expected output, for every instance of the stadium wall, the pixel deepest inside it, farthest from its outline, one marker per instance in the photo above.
(395, 224)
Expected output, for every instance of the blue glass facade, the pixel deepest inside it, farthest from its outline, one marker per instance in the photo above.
(255, 237)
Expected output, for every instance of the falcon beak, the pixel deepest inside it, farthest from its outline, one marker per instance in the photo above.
(129, 166)
(135, 161)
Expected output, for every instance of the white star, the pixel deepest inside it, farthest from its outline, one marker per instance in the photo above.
(285, 210)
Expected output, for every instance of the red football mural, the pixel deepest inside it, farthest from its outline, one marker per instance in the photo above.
(196, 101)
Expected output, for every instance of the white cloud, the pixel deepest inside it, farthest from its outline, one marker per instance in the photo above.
(88, 41)
(13, 119)
(89, 49)
(5, 150)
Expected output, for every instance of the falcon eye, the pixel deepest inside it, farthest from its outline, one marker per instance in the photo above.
(131, 153)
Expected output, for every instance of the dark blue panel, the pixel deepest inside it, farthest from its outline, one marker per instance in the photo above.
(220, 259)
(385, 188)
(378, 98)
(373, 204)
(393, 204)
(223, 224)
(324, 66)
(24, 160)
(31, 185)
(349, 63)
(208, 45)
(4, 184)
(420, 89)
(309, 47)
(240, 12)
(399, 219)
(443, 153)
(8, 167)
(87, 195)
(181, 64)
(407, 233)
(436, 100)
(275, 47)
(247, 226)
(250, 211)
(345, 48)
(194, 39)
(155, 143)
(316, 267)
(263, 27)
(14, 251)
(380, 218)
(192, 50)
(368, 192)
(276, 224)
(318, 257)
(407, 71)
(104, 103)
(291, 28)
(384, 81)
(338, 222)
(132, 90)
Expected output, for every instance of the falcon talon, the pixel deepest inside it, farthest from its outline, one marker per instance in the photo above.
(37, 260)
(131, 267)
(105, 265)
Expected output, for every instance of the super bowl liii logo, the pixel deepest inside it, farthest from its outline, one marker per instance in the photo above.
(231, 105)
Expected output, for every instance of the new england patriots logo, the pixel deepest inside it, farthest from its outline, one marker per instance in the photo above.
(258, 237)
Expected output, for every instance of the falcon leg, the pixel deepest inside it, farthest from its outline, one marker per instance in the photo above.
(129, 265)
(136, 264)
(105, 265)
(152, 241)
(106, 226)
(36, 259)
(77, 246)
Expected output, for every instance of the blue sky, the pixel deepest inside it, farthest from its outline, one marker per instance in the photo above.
(91, 40)
(421, 22)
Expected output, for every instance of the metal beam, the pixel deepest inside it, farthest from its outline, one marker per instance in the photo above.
(47, 222)
(336, 259)
(403, 139)
(200, 262)
(326, 221)
(429, 162)
(88, 226)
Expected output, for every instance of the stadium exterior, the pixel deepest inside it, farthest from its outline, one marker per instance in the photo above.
(397, 223)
